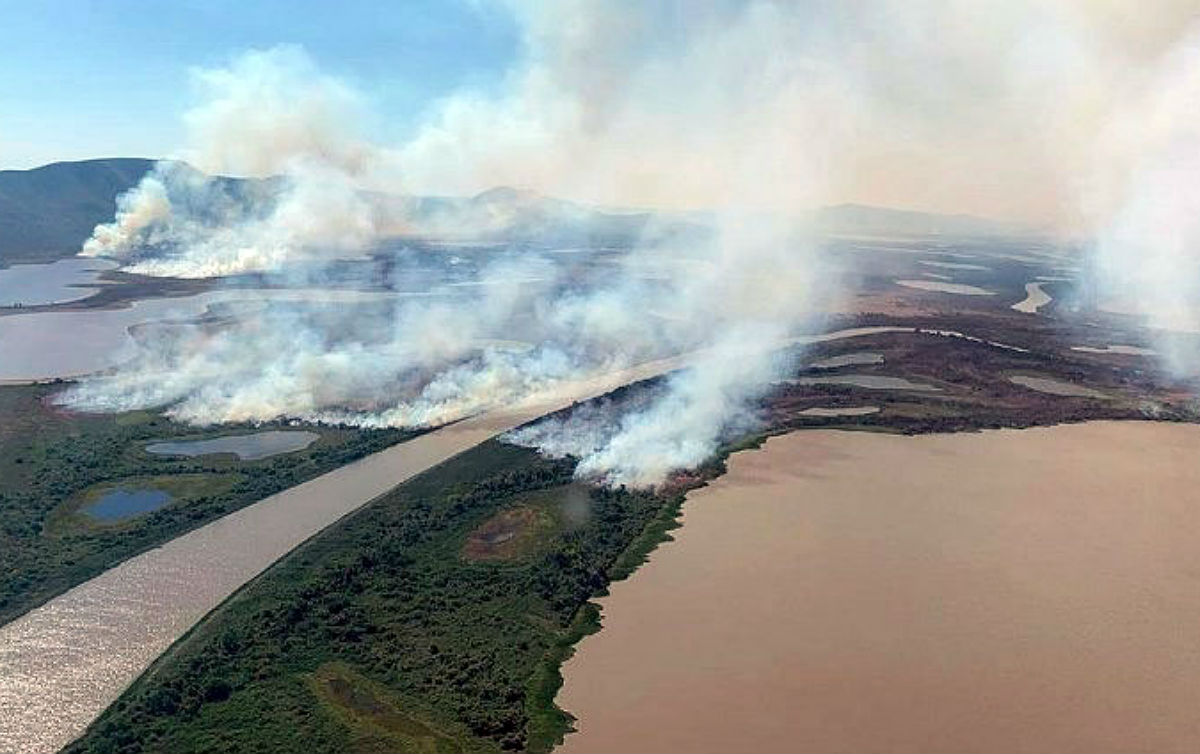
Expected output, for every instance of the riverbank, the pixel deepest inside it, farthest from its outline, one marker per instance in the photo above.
(841, 591)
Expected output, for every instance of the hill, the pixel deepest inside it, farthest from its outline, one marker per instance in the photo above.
(48, 212)
(859, 219)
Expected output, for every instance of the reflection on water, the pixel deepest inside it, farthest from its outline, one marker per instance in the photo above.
(868, 381)
(1056, 387)
(960, 289)
(121, 503)
(246, 447)
(1035, 298)
(848, 359)
(853, 591)
(1120, 350)
(840, 411)
(54, 283)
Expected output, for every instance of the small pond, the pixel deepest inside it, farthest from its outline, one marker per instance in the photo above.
(960, 289)
(868, 381)
(849, 359)
(251, 447)
(1120, 350)
(122, 503)
(53, 283)
(840, 411)
(1056, 387)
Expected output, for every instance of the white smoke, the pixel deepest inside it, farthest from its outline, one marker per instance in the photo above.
(1147, 256)
(677, 427)
(1070, 112)
(270, 115)
(730, 295)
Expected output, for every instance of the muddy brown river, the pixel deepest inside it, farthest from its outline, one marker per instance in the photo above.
(1033, 590)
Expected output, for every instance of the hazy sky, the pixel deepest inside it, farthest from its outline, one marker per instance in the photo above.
(83, 78)
(1045, 111)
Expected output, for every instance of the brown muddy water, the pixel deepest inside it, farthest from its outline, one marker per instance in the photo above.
(1034, 590)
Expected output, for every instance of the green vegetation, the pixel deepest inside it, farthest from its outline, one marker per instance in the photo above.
(388, 633)
(53, 463)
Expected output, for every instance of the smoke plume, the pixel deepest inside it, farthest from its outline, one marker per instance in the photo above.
(1146, 257)
(729, 294)
(1075, 115)
(270, 115)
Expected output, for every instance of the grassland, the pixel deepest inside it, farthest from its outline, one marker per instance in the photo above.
(53, 463)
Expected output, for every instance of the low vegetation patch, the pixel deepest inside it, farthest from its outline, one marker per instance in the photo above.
(529, 525)
(380, 720)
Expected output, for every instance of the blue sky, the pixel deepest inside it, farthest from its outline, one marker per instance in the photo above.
(84, 78)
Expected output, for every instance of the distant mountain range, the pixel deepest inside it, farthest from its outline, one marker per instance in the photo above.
(880, 221)
(47, 213)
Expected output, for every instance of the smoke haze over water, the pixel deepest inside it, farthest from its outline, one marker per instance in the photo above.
(1077, 115)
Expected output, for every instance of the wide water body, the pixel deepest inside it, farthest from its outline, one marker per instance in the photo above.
(1031, 590)
(64, 662)
(53, 283)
